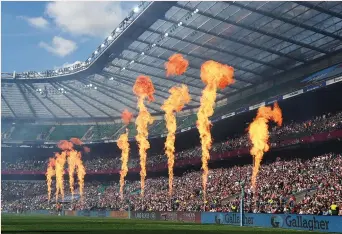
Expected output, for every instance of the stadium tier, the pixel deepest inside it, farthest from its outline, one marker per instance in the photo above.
(205, 112)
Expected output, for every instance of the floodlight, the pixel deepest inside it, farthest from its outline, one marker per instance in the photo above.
(136, 9)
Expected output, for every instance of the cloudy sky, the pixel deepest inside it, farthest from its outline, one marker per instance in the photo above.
(44, 35)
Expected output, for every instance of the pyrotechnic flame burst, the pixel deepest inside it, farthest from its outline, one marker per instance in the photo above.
(60, 162)
(177, 100)
(143, 88)
(56, 167)
(214, 75)
(176, 65)
(124, 146)
(126, 116)
(49, 174)
(258, 134)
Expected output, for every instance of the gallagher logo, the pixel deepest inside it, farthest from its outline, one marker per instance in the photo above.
(219, 219)
(277, 221)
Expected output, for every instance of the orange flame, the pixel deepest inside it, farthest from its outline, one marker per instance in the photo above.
(86, 149)
(176, 65)
(258, 134)
(126, 116)
(214, 75)
(76, 141)
(175, 103)
(73, 158)
(81, 172)
(60, 162)
(65, 145)
(72, 161)
(49, 174)
(124, 146)
(143, 88)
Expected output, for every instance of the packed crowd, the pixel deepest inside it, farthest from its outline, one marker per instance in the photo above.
(318, 124)
(293, 186)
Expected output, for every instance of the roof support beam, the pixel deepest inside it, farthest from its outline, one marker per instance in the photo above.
(27, 100)
(40, 101)
(73, 101)
(150, 65)
(286, 20)
(223, 37)
(105, 89)
(190, 66)
(319, 8)
(261, 31)
(71, 90)
(110, 88)
(128, 82)
(221, 50)
(149, 74)
(96, 100)
(3, 97)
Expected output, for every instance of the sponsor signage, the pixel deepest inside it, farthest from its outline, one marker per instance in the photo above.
(228, 115)
(273, 100)
(333, 81)
(185, 129)
(119, 214)
(145, 215)
(190, 217)
(241, 110)
(313, 87)
(295, 93)
(288, 221)
(256, 106)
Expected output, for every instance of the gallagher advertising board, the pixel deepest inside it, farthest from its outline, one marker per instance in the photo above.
(288, 221)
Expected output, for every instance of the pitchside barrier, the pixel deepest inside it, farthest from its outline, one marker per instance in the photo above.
(288, 221)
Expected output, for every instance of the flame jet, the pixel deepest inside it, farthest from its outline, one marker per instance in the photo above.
(60, 162)
(176, 65)
(214, 75)
(124, 146)
(258, 134)
(72, 164)
(143, 88)
(81, 172)
(49, 174)
(177, 100)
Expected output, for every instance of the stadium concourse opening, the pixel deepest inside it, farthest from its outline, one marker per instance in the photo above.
(223, 113)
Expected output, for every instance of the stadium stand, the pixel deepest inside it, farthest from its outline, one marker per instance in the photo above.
(280, 51)
(282, 184)
(68, 131)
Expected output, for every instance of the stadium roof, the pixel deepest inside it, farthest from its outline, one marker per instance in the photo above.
(261, 40)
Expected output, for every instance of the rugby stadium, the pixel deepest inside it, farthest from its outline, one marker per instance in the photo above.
(206, 117)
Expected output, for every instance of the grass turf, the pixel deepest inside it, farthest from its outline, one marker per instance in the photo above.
(67, 224)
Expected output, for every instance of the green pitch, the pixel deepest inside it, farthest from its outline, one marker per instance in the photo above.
(67, 224)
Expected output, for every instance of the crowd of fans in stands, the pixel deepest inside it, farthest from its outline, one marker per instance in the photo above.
(294, 186)
(323, 123)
